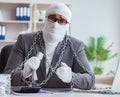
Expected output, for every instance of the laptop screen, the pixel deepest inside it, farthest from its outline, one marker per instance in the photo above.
(116, 81)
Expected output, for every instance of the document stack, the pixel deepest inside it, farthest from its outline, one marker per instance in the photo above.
(2, 32)
(23, 13)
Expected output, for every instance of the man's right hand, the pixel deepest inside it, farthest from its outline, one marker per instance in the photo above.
(32, 64)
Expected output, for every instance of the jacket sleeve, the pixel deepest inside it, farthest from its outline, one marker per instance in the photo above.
(82, 76)
(15, 59)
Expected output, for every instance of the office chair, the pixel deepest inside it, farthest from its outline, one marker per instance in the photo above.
(4, 55)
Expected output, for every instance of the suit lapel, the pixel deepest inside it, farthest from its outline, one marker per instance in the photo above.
(42, 68)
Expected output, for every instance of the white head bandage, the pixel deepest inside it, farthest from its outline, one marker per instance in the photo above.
(59, 8)
(53, 33)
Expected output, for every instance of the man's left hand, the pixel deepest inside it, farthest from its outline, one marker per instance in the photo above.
(64, 73)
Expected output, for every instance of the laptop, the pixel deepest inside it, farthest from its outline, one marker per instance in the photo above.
(114, 89)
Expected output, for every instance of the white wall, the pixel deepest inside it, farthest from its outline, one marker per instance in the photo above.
(93, 18)
(35, 1)
(96, 17)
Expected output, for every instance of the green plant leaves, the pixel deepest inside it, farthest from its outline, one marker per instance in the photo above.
(98, 70)
(100, 43)
(96, 51)
(90, 49)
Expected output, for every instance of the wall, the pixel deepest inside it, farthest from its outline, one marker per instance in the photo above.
(35, 1)
(93, 18)
(96, 17)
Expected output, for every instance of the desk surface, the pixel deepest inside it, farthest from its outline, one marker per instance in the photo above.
(65, 94)
(68, 94)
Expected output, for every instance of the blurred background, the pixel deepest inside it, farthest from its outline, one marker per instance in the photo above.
(94, 18)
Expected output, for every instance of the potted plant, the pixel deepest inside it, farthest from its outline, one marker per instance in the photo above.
(97, 53)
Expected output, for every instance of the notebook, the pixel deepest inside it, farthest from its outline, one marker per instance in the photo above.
(114, 89)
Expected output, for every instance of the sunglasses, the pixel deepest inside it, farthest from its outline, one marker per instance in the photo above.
(53, 18)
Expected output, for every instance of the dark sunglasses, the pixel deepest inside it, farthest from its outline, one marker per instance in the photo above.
(52, 18)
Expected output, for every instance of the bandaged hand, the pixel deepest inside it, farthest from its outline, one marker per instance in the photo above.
(64, 73)
(31, 65)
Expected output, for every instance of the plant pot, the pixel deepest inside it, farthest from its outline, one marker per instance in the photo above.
(104, 79)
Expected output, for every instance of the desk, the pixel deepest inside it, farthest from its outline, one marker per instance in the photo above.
(68, 94)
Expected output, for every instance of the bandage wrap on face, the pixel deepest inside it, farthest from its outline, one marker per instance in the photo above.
(54, 32)
(59, 8)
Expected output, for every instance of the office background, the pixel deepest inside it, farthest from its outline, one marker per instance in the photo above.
(93, 18)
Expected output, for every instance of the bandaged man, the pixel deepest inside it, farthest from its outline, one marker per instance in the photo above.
(51, 54)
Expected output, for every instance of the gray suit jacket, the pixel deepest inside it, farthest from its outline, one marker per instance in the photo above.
(81, 78)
